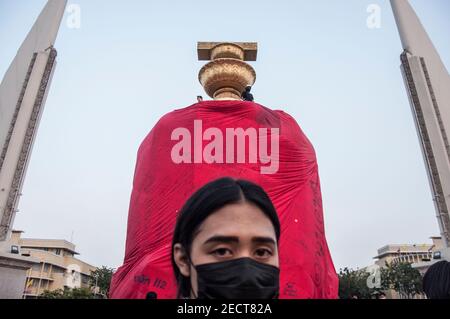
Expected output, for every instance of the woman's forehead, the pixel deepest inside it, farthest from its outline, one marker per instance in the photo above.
(243, 220)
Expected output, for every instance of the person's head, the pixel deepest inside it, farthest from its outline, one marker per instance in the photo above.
(225, 243)
(248, 88)
(436, 282)
(382, 295)
(199, 98)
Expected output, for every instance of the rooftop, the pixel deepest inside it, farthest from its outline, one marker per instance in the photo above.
(48, 243)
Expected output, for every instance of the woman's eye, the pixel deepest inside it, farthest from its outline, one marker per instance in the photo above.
(222, 252)
(263, 253)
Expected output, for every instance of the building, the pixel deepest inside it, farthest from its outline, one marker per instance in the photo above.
(23, 92)
(420, 256)
(13, 271)
(428, 86)
(57, 266)
(407, 253)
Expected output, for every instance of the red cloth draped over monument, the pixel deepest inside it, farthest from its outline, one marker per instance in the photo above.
(162, 186)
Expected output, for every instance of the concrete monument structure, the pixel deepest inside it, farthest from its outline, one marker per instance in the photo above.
(428, 85)
(23, 92)
(22, 97)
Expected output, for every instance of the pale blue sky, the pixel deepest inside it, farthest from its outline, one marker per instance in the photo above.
(133, 61)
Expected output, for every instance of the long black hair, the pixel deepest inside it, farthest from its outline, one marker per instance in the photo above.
(205, 202)
(436, 282)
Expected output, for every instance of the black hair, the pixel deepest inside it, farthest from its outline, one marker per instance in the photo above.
(151, 295)
(205, 202)
(436, 282)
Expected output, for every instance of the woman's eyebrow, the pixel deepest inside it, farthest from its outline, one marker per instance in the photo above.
(222, 239)
(264, 240)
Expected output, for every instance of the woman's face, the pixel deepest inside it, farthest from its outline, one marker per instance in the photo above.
(235, 231)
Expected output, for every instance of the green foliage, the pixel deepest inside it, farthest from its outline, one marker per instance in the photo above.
(402, 278)
(101, 278)
(76, 293)
(353, 284)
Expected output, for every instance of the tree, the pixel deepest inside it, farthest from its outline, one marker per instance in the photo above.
(353, 283)
(101, 278)
(67, 293)
(402, 278)
(56, 294)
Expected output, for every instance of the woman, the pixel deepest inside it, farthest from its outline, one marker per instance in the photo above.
(225, 244)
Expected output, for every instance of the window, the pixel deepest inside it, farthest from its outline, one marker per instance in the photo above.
(37, 267)
(15, 250)
(58, 251)
(58, 270)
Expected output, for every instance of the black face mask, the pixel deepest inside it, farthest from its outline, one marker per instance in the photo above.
(238, 279)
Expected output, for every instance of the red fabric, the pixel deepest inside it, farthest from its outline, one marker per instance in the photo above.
(161, 187)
